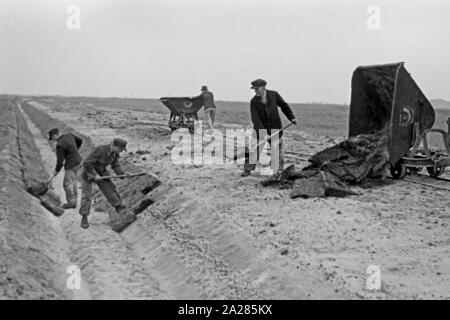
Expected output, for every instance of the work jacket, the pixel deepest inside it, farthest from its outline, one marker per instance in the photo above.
(67, 147)
(266, 116)
(207, 98)
(97, 161)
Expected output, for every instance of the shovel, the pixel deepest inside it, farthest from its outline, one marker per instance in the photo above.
(41, 188)
(130, 176)
(242, 154)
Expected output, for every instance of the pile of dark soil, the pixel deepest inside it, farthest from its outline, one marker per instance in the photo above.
(355, 159)
(334, 169)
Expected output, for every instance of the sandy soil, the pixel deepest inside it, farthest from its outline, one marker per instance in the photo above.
(217, 235)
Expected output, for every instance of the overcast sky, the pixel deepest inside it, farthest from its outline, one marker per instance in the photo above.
(306, 50)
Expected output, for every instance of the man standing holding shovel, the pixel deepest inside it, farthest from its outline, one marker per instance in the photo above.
(264, 114)
(94, 168)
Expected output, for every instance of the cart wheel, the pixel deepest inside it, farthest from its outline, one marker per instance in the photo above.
(191, 130)
(414, 170)
(435, 171)
(398, 171)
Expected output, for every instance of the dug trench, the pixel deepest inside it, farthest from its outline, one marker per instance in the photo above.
(185, 251)
(38, 249)
(34, 254)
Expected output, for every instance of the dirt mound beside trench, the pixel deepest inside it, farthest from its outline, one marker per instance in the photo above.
(30, 256)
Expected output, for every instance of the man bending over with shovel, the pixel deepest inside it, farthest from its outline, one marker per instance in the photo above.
(94, 168)
(67, 146)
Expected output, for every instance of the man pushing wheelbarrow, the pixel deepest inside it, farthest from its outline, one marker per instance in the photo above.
(94, 168)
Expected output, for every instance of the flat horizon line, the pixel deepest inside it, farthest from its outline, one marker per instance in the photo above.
(156, 99)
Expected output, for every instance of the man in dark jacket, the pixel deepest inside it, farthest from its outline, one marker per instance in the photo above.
(208, 103)
(94, 167)
(67, 145)
(264, 114)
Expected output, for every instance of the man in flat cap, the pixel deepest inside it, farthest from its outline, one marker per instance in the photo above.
(264, 114)
(208, 103)
(94, 167)
(67, 155)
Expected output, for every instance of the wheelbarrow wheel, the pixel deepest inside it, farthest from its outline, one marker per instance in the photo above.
(435, 171)
(398, 171)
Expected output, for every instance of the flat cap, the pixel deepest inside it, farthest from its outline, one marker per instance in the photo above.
(258, 83)
(120, 143)
(204, 88)
(52, 132)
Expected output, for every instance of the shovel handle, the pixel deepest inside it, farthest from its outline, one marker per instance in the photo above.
(129, 176)
(271, 136)
(50, 180)
(263, 142)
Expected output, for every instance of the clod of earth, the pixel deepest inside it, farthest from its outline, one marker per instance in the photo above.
(323, 184)
(119, 222)
(142, 205)
(148, 183)
(142, 152)
(52, 203)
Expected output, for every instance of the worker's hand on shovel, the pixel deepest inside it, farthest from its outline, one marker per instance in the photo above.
(54, 174)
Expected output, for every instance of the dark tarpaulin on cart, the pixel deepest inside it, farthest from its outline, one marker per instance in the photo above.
(386, 96)
(385, 105)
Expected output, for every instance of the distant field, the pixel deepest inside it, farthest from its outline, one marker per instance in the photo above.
(321, 119)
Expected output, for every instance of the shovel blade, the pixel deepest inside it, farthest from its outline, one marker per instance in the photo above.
(39, 189)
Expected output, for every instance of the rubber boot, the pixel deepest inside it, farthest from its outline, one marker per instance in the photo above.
(84, 222)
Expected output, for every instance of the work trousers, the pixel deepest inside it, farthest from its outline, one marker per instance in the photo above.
(70, 185)
(210, 115)
(107, 187)
(276, 152)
